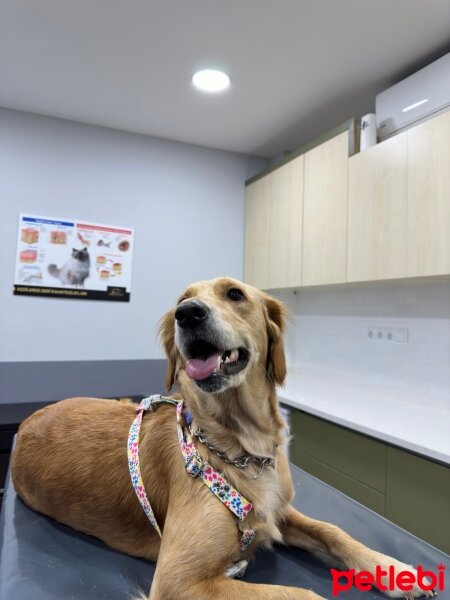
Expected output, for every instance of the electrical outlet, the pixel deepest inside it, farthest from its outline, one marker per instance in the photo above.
(397, 335)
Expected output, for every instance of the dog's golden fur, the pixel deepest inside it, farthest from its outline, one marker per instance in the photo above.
(70, 463)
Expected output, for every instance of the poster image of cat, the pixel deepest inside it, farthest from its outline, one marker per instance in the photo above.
(75, 271)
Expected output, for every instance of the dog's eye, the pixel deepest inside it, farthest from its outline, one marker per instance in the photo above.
(235, 294)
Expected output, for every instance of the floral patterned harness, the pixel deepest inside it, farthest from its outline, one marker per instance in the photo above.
(195, 466)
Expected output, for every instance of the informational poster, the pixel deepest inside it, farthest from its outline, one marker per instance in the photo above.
(63, 258)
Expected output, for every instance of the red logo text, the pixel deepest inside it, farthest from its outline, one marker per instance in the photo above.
(388, 580)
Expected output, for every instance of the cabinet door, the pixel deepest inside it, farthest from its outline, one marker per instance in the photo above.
(418, 496)
(325, 212)
(377, 211)
(257, 234)
(428, 214)
(286, 207)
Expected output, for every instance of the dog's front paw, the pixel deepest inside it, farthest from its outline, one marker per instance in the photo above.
(399, 580)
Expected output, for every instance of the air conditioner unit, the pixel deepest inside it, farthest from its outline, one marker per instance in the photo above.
(415, 99)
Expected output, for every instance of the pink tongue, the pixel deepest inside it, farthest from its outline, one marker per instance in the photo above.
(197, 369)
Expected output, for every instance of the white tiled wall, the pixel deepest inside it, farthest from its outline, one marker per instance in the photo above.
(330, 331)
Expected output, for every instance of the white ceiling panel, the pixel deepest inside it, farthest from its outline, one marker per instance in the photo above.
(298, 67)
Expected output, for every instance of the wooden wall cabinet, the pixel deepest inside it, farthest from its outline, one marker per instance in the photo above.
(428, 214)
(377, 195)
(257, 234)
(273, 228)
(399, 205)
(325, 212)
(323, 218)
(296, 220)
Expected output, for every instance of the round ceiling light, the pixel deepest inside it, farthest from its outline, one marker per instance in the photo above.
(210, 80)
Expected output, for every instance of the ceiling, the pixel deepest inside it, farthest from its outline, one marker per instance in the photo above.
(298, 67)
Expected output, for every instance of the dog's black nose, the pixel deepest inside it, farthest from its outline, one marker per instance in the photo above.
(191, 313)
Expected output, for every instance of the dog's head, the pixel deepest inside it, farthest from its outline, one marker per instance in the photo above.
(222, 331)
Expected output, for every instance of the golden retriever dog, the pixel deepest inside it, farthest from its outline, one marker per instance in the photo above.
(224, 345)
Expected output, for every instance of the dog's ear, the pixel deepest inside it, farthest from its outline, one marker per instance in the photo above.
(167, 335)
(276, 314)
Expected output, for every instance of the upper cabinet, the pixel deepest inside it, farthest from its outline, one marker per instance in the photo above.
(325, 212)
(399, 205)
(286, 209)
(323, 218)
(273, 228)
(377, 193)
(257, 234)
(428, 214)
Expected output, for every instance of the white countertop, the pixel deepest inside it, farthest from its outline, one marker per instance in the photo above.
(412, 421)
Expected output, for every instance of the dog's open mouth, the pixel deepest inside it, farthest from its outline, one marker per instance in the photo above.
(207, 360)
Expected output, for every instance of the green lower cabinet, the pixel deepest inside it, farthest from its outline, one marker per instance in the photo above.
(407, 489)
(361, 458)
(418, 496)
(351, 487)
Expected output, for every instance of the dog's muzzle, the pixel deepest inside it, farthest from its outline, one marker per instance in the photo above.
(208, 361)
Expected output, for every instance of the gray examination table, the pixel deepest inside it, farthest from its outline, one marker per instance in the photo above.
(41, 559)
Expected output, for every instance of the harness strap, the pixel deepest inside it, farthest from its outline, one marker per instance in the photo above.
(194, 465)
(134, 465)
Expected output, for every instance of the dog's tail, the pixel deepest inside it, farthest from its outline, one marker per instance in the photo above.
(53, 270)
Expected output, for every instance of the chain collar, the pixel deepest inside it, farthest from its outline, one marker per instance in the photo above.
(242, 462)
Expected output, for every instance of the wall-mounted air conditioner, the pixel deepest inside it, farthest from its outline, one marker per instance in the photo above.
(415, 99)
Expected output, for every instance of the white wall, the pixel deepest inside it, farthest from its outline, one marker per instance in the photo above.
(329, 331)
(185, 203)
